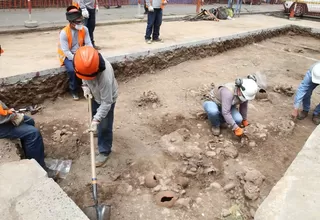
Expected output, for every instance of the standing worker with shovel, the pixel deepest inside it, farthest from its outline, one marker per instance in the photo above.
(98, 80)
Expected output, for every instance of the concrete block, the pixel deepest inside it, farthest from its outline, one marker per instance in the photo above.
(17, 177)
(47, 201)
(26, 193)
(297, 194)
(8, 151)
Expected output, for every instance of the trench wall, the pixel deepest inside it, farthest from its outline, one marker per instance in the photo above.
(34, 88)
(296, 196)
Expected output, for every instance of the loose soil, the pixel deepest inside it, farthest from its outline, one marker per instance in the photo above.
(165, 135)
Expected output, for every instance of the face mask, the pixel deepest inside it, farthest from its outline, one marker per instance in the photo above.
(78, 27)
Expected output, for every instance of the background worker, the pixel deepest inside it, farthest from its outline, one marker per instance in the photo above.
(223, 103)
(19, 126)
(303, 95)
(72, 36)
(154, 22)
(89, 9)
(98, 81)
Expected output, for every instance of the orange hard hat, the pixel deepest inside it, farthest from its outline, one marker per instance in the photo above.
(86, 63)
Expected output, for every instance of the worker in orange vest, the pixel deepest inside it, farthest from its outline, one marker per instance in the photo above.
(155, 8)
(72, 36)
(89, 9)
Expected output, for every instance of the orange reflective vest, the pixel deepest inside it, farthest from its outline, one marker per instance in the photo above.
(162, 4)
(74, 3)
(81, 36)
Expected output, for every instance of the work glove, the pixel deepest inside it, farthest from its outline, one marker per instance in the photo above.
(85, 13)
(86, 92)
(150, 8)
(238, 131)
(94, 126)
(245, 123)
(17, 119)
(97, 8)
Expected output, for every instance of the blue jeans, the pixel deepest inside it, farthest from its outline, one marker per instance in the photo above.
(238, 6)
(30, 137)
(105, 129)
(154, 23)
(215, 116)
(304, 91)
(90, 23)
(73, 79)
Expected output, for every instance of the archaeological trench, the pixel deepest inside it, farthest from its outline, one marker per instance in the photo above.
(182, 166)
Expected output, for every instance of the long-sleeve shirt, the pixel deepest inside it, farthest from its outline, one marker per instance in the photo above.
(75, 45)
(104, 89)
(155, 3)
(305, 88)
(228, 99)
(90, 4)
(5, 113)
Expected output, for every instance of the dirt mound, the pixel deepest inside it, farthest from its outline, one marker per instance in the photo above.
(284, 89)
(149, 98)
(64, 141)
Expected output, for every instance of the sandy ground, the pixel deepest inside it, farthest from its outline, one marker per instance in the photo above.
(165, 137)
(37, 51)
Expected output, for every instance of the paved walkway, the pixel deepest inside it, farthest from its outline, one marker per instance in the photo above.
(54, 16)
(32, 52)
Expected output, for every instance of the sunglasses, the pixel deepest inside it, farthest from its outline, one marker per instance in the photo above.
(78, 22)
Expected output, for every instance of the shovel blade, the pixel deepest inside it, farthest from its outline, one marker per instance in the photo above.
(100, 212)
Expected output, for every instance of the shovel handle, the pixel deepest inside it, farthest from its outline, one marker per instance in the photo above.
(93, 158)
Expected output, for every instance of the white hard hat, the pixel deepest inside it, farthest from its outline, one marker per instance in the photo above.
(316, 73)
(249, 89)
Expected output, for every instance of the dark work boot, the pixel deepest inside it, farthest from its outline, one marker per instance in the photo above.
(302, 115)
(316, 119)
(53, 174)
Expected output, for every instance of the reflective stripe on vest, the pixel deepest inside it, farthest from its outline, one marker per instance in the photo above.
(81, 36)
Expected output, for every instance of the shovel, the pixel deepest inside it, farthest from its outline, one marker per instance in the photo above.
(97, 211)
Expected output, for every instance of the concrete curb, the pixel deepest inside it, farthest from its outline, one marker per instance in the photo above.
(23, 78)
(57, 26)
(296, 195)
(131, 56)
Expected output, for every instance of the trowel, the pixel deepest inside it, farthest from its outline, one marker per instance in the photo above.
(97, 211)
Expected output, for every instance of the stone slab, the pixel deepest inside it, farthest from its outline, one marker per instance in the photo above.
(28, 194)
(297, 194)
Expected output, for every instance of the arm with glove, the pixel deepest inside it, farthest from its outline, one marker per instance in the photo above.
(149, 6)
(226, 104)
(243, 111)
(7, 115)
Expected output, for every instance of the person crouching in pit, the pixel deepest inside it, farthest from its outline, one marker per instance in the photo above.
(224, 101)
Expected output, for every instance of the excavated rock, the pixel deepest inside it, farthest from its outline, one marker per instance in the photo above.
(166, 199)
(151, 180)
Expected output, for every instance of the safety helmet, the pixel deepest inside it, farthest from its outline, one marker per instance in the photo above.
(248, 88)
(86, 63)
(73, 13)
(316, 74)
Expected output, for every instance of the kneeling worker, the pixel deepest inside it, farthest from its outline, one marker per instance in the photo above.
(19, 126)
(224, 101)
(309, 83)
(98, 80)
(72, 36)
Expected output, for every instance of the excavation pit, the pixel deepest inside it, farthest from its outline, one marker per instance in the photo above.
(180, 86)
